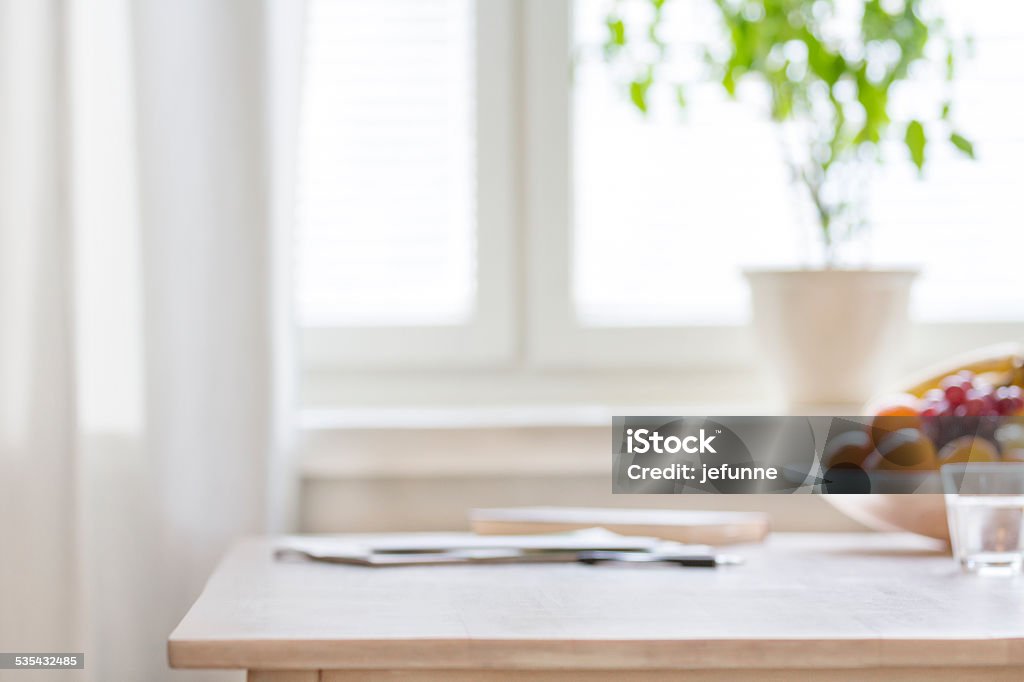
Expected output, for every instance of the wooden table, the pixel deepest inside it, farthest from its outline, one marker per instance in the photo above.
(822, 607)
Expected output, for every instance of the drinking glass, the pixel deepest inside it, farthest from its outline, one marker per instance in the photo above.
(985, 510)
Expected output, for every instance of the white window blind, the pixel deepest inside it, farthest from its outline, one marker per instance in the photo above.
(667, 210)
(386, 195)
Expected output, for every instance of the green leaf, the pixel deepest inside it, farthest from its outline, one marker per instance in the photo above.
(729, 81)
(963, 144)
(616, 32)
(827, 65)
(915, 141)
(638, 93)
(875, 100)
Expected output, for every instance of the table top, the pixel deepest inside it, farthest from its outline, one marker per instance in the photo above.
(799, 601)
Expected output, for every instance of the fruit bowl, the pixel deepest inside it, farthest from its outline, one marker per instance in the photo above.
(990, 369)
(919, 513)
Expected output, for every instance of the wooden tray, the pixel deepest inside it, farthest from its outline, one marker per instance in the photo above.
(691, 527)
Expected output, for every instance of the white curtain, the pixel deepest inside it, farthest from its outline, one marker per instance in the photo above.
(144, 374)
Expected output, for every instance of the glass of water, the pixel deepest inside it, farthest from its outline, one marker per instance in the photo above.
(985, 509)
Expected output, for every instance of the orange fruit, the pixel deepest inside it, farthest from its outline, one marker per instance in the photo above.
(906, 450)
(851, 447)
(891, 420)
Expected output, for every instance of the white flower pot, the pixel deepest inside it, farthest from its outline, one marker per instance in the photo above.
(831, 336)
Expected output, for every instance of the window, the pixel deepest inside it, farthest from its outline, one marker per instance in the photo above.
(476, 190)
(403, 155)
(387, 164)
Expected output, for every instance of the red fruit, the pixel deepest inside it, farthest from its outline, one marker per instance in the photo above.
(955, 394)
(974, 407)
(980, 403)
(1009, 400)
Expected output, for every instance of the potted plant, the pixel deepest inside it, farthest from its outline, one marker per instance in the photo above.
(835, 329)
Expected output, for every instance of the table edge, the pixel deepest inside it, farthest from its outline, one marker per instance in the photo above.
(527, 654)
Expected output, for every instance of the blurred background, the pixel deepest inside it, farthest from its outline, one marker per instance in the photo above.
(342, 265)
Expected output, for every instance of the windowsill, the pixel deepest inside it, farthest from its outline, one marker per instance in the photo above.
(453, 442)
(467, 442)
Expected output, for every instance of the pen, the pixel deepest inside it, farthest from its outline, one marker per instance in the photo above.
(688, 560)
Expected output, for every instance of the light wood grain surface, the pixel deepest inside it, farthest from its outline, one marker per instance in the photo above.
(801, 602)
